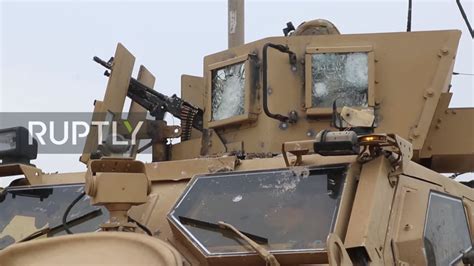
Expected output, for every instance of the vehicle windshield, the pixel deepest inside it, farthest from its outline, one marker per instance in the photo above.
(284, 210)
(26, 211)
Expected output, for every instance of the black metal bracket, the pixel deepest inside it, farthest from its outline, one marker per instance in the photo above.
(292, 59)
(289, 28)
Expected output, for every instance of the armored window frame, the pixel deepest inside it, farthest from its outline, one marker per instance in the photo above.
(47, 212)
(430, 205)
(248, 97)
(347, 190)
(310, 51)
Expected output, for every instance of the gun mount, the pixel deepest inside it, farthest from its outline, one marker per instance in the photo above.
(225, 109)
(158, 104)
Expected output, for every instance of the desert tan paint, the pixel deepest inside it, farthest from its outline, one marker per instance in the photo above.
(114, 97)
(374, 213)
(108, 248)
(397, 79)
(136, 112)
(167, 186)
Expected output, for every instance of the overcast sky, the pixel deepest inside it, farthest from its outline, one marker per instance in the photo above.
(47, 47)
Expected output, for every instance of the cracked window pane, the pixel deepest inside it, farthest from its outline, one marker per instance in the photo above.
(228, 92)
(341, 76)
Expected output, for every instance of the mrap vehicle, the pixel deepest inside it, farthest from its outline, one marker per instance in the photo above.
(311, 148)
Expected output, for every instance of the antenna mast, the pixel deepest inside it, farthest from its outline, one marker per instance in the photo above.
(464, 16)
(409, 16)
(236, 23)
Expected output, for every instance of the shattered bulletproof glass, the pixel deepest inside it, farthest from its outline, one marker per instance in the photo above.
(228, 91)
(341, 76)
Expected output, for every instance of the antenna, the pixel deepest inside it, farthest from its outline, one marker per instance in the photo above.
(409, 16)
(236, 22)
(464, 16)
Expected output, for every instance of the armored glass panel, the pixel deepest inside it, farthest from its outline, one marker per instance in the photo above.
(446, 234)
(35, 211)
(228, 92)
(283, 210)
(342, 77)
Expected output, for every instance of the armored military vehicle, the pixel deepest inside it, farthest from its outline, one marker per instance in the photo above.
(311, 148)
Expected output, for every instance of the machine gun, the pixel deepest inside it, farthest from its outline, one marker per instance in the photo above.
(158, 104)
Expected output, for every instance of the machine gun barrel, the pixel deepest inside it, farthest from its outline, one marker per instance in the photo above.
(158, 104)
